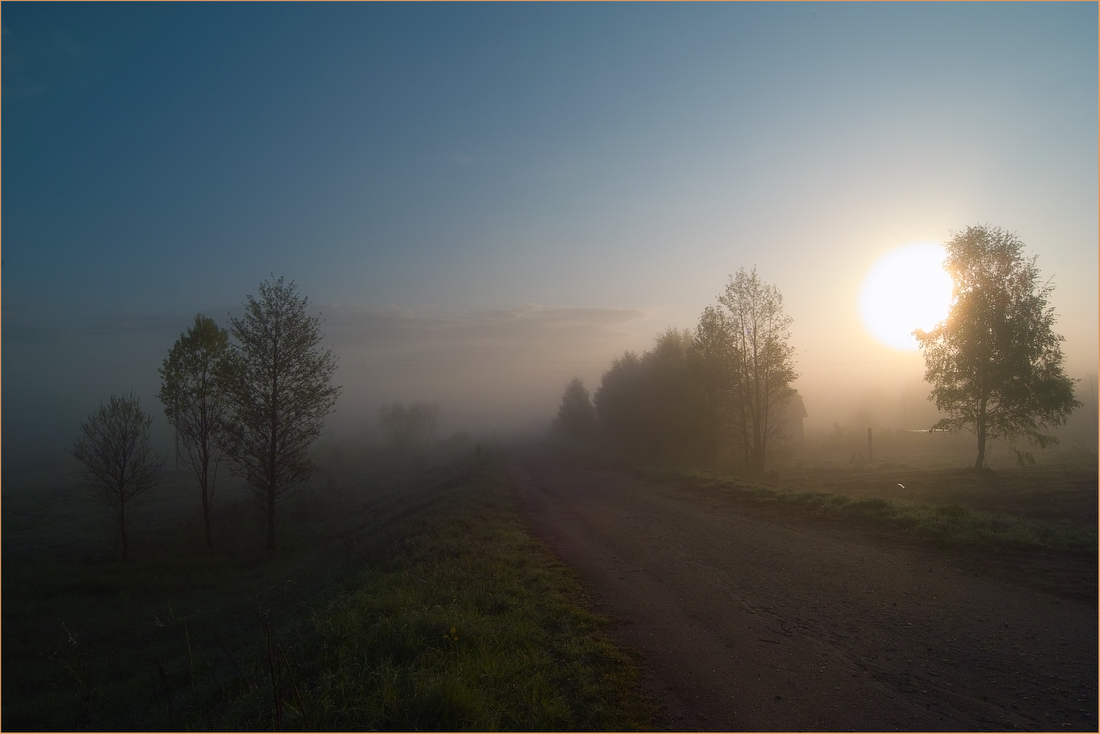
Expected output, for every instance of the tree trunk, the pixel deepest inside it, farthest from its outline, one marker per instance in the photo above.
(122, 530)
(271, 522)
(206, 518)
(206, 500)
(980, 463)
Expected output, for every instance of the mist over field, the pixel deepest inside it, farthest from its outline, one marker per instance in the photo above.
(493, 373)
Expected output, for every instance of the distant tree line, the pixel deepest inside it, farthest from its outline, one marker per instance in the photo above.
(722, 393)
(409, 430)
(718, 395)
(995, 365)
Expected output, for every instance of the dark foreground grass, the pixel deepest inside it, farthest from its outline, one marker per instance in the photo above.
(438, 613)
(468, 625)
(948, 524)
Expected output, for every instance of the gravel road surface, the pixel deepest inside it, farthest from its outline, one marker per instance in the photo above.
(744, 622)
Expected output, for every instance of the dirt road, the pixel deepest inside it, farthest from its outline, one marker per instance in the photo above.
(746, 623)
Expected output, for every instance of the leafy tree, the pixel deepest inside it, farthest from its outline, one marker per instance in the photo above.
(192, 390)
(576, 416)
(280, 391)
(715, 368)
(116, 461)
(747, 363)
(620, 403)
(652, 406)
(679, 417)
(995, 363)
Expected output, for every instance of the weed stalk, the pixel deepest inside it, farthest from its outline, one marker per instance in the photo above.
(278, 708)
(297, 693)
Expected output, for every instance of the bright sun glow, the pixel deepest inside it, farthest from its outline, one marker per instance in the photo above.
(906, 289)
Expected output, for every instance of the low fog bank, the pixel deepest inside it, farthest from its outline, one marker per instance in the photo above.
(907, 408)
(493, 374)
(476, 407)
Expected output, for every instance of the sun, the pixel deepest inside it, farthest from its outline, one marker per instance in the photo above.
(906, 289)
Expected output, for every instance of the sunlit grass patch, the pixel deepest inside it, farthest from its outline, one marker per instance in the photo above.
(948, 524)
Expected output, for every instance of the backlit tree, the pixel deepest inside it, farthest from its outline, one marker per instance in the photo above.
(747, 363)
(995, 362)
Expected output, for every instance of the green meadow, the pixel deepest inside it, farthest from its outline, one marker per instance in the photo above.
(1023, 509)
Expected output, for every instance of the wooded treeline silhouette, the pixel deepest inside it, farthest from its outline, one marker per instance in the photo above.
(716, 397)
(720, 397)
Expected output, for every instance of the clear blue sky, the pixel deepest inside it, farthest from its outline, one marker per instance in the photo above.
(485, 199)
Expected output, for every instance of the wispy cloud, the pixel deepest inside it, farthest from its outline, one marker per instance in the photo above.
(490, 367)
(527, 327)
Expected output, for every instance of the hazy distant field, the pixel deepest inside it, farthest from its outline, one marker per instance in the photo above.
(1037, 524)
(1057, 492)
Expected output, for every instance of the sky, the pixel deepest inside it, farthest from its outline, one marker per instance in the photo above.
(482, 200)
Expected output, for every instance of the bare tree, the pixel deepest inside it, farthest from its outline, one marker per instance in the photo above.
(748, 364)
(280, 391)
(116, 461)
(192, 391)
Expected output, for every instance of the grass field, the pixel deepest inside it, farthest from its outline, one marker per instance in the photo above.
(1051, 507)
(418, 606)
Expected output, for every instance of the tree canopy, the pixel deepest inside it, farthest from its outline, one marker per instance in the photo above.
(748, 365)
(995, 362)
(116, 461)
(280, 391)
(193, 392)
(651, 406)
(718, 395)
(576, 416)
